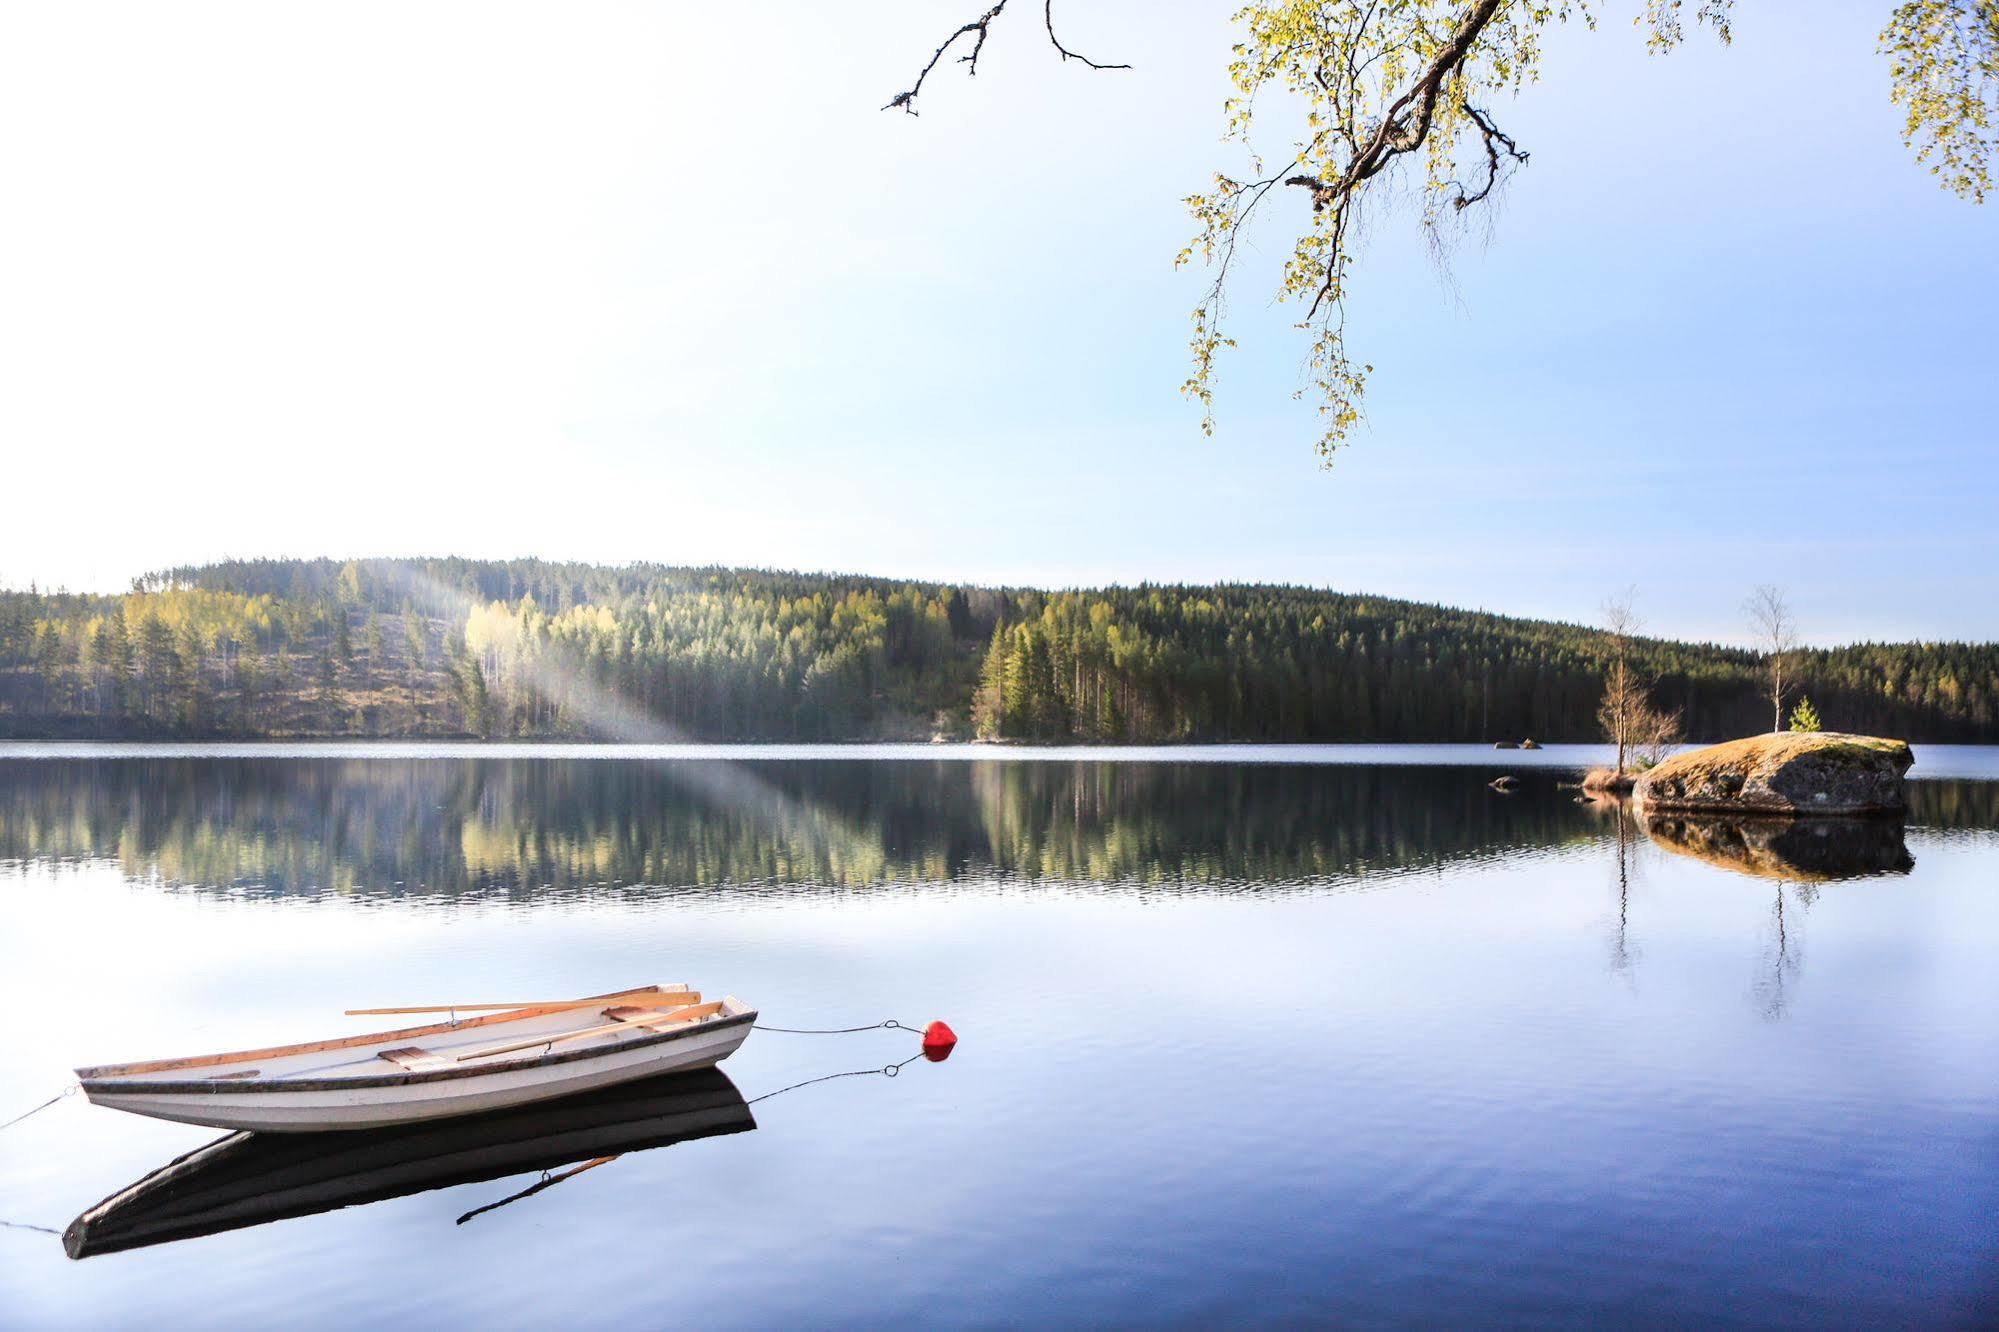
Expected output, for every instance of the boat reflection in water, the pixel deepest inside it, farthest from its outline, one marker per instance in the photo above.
(1807, 850)
(248, 1179)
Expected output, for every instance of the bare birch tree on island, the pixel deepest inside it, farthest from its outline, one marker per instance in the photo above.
(1776, 638)
(1626, 714)
(1623, 696)
(1381, 86)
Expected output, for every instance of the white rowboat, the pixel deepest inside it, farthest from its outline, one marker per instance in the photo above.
(438, 1071)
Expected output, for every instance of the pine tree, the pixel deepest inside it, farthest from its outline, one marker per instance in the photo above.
(158, 666)
(413, 663)
(989, 702)
(249, 680)
(371, 644)
(48, 663)
(327, 699)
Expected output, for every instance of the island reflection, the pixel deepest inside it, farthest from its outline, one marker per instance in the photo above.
(1793, 850)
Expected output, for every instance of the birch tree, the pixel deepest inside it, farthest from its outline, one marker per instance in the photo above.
(1416, 89)
(1776, 634)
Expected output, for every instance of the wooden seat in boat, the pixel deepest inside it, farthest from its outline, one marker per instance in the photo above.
(648, 1019)
(653, 1017)
(677, 1005)
(419, 1060)
(416, 1059)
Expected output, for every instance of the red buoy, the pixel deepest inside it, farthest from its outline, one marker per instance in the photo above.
(938, 1041)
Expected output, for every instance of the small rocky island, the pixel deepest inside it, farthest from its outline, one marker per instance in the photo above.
(1783, 774)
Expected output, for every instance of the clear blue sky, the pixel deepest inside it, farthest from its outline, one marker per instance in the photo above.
(660, 282)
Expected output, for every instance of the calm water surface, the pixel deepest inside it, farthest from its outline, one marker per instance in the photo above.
(1276, 1036)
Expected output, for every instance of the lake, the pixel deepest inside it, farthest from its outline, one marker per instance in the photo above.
(1255, 1035)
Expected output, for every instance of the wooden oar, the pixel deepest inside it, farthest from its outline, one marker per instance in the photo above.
(676, 1015)
(647, 996)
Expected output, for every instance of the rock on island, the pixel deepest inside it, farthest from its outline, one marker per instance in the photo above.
(1786, 773)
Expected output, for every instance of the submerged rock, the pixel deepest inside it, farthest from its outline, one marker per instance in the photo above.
(1786, 773)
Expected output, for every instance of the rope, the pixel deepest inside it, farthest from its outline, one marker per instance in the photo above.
(886, 1071)
(890, 1023)
(66, 1091)
(550, 1178)
(23, 1225)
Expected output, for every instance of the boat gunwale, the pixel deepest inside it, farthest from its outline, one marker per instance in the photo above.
(346, 1042)
(212, 1086)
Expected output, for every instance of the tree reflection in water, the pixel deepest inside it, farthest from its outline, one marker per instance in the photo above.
(540, 828)
(1797, 855)
(396, 827)
(1606, 807)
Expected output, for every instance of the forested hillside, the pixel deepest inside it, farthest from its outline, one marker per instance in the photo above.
(537, 649)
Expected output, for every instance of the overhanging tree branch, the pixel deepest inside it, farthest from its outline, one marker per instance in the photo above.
(1496, 140)
(1406, 127)
(1383, 81)
(1048, 20)
(978, 29)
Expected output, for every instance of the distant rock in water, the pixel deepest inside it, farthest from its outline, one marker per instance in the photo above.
(1529, 744)
(1807, 849)
(1785, 773)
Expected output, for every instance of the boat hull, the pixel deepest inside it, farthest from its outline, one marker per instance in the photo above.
(313, 1106)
